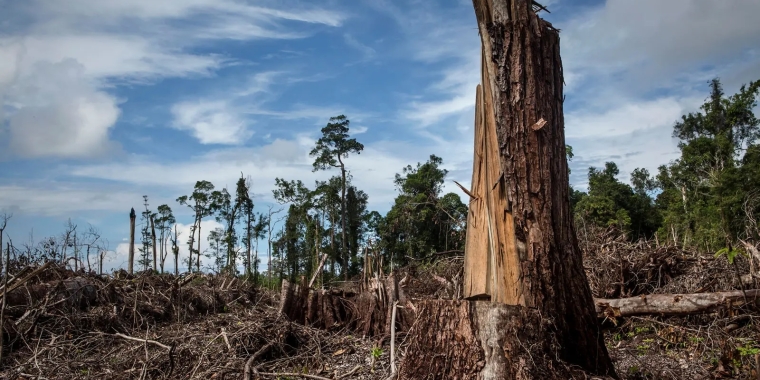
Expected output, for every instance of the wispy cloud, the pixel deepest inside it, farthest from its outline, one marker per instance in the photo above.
(83, 47)
(367, 52)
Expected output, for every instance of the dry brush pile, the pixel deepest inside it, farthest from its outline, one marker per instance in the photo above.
(61, 324)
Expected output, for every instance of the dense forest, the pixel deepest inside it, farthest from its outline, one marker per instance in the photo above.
(706, 198)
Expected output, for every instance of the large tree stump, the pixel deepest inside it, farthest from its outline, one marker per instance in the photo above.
(521, 245)
(481, 340)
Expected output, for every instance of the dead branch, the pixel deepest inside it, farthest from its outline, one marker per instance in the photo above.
(27, 278)
(288, 374)
(249, 368)
(120, 335)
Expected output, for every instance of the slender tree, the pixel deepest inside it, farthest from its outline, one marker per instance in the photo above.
(201, 202)
(331, 149)
(165, 221)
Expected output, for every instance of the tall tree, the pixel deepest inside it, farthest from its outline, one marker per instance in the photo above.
(245, 204)
(201, 202)
(356, 211)
(331, 149)
(258, 232)
(217, 245)
(327, 201)
(165, 220)
(147, 237)
(228, 213)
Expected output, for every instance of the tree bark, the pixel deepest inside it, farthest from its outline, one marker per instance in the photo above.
(481, 340)
(525, 252)
(674, 304)
(131, 263)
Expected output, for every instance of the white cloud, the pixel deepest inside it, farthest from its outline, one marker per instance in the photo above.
(63, 113)
(651, 43)
(65, 199)
(213, 122)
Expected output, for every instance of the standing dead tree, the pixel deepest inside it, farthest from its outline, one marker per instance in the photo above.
(131, 263)
(521, 250)
(3, 224)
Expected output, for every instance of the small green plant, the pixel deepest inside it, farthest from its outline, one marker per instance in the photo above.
(376, 352)
(729, 252)
(641, 330)
(696, 339)
(748, 350)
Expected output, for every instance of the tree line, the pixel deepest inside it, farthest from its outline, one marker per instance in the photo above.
(329, 218)
(707, 198)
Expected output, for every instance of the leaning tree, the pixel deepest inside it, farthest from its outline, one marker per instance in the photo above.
(529, 312)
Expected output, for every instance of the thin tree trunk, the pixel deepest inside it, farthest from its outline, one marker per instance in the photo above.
(522, 248)
(198, 252)
(131, 263)
(153, 237)
(175, 251)
(344, 253)
(248, 254)
(269, 249)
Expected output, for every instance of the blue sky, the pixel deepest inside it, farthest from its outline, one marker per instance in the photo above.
(104, 101)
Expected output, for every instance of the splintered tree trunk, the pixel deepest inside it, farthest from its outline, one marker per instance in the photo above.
(131, 263)
(521, 247)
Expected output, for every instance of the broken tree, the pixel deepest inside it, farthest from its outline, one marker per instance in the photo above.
(521, 251)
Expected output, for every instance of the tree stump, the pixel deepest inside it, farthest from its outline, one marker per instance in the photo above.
(482, 340)
(521, 246)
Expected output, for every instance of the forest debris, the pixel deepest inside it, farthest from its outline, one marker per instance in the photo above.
(673, 304)
(22, 281)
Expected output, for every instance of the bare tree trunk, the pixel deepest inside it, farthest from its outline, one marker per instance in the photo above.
(344, 252)
(131, 263)
(198, 252)
(521, 244)
(175, 251)
(248, 254)
(153, 236)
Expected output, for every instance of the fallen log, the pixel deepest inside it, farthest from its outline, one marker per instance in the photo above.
(673, 304)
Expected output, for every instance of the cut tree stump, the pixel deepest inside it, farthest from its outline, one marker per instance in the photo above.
(367, 313)
(482, 340)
